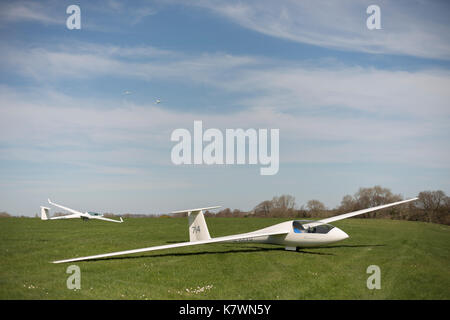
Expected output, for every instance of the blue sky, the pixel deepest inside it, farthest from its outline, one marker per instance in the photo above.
(355, 107)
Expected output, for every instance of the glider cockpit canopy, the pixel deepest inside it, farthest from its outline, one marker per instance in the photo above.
(297, 225)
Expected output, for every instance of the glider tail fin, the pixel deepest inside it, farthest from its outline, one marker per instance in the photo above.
(45, 215)
(198, 230)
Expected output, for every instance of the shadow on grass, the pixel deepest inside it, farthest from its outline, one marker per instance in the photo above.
(180, 254)
(302, 250)
(243, 250)
(353, 246)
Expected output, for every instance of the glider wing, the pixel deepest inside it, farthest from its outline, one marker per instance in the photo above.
(354, 213)
(68, 216)
(64, 208)
(181, 244)
(106, 219)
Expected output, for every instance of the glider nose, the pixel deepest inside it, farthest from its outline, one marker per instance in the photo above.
(342, 235)
(339, 234)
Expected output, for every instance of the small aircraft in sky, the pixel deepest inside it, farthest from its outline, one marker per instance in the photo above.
(75, 214)
(292, 234)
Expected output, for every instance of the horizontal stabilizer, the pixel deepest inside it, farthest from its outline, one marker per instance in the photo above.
(194, 210)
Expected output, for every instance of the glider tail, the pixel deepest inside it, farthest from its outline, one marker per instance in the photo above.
(198, 230)
(45, 215)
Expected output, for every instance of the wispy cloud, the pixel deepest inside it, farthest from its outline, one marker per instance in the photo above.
(131, 13)
(266, 83)
(32, 11)
(96, 15)
(55, 127)
(144, 63)
(414, 28)
(373, 91)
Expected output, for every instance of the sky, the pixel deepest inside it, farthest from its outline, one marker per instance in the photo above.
(354, 107)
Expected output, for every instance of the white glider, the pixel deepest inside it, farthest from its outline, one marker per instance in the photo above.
(292, 234)
(75, 214)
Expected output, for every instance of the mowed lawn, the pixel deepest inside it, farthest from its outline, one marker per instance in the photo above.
(414, 259)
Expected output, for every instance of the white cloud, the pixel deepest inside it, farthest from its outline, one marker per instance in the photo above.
(376, 92)
(18, 11)
(413, 28)
(143, 63)
(52, 127)
(267, 83)
(334, 113)
(93, 13)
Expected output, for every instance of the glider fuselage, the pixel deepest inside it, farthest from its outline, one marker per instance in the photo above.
(299, 236)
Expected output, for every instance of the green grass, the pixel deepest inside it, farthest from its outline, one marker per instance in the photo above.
(414, 259)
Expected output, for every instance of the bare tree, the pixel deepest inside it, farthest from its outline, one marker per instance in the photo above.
(435, 204)
(372, 197)
(284, 202)
(263, 209)
(348, 204)
(315, 208)
(282, 206)
(432, 200)
(225, 213)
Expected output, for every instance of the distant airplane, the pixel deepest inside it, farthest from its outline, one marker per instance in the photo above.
(292, 234)
(158, 101)
(75, 214)
(126, 92)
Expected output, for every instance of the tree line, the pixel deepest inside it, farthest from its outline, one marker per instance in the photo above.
(432, 206)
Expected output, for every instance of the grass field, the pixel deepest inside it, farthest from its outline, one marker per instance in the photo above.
(414, 259)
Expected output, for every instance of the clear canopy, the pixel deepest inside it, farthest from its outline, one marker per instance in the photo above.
(298, 227)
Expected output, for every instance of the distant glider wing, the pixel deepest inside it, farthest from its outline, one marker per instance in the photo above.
(178, 245)
(106, 219)
(68, 216)
(64, 208)
(354, 213)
